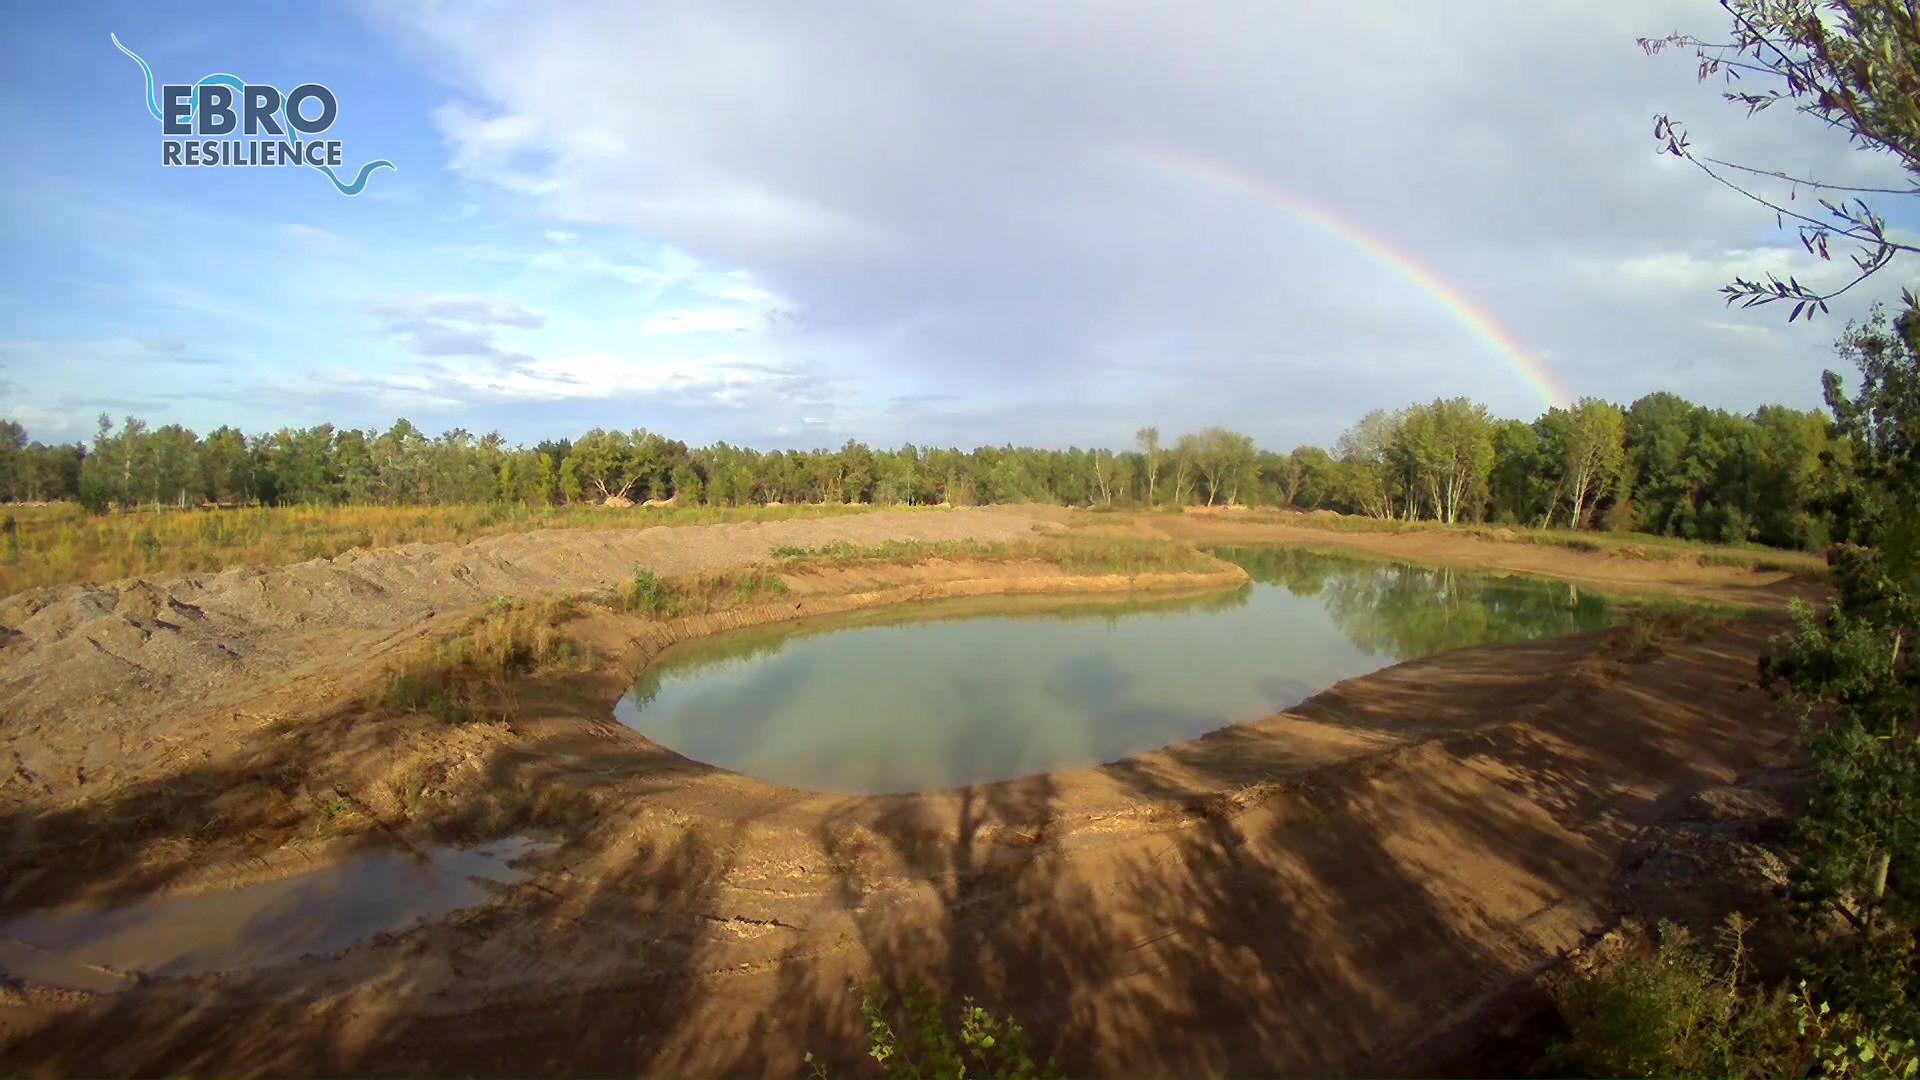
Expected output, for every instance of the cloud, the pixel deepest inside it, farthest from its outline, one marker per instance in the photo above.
(450, 326)
(474, 310)
(561, 236)
(680, 321)
(317, 241)
(938, 188)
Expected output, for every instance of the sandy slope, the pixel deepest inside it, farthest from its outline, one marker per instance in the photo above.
(1319, 892)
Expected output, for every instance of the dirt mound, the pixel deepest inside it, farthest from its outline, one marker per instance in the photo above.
(98, 680)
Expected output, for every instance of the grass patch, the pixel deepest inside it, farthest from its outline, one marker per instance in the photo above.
(1074, 554)
(466, 675)
(59, 543)
(1625, 545)
(696, 594)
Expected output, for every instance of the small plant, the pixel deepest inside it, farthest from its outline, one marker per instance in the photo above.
(147, 544)
(984, 1047)
(644, 594)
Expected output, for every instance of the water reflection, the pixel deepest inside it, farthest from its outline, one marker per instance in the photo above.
(960, 692)
(323, 911)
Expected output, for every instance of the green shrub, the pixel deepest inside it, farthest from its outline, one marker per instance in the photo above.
(1666, 1009)
(697, 594)
(1662, 1010)
(644, 594)
(914, 1039)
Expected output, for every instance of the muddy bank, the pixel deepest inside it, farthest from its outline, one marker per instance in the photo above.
(1318, 891)
(99, 683)
(1313, 893)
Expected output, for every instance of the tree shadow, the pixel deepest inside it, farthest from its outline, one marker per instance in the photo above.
(1453, 839)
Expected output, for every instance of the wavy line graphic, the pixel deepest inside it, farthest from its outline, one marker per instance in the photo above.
(234, 83)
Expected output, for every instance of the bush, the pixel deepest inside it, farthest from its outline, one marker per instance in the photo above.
(1620, 517)
(1666, 1009)
(982, 1047)
(1661, 1010)
(644, 594)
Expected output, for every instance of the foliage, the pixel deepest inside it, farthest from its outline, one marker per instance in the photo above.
(914, 1038)
(1852, 672)
(644, 594)
(1666, 1009)
(465, 676)
(1877, 499)
(1852, 64)
(1713, 475)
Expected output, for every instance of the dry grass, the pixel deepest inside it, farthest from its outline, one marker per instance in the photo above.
(59, 543)
(467, 675)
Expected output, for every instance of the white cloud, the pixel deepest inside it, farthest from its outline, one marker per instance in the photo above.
(476, 310)
(933, 185)
(682, 321)
(318, 241)
(561, 236)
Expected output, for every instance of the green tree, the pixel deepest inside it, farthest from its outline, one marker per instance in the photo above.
(1854, 65)
(1365, 451)
(1592, 451)
(1148, 440)
(602, 464)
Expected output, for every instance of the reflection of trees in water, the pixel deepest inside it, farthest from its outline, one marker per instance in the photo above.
(734, 648)
(1407, 611)
(1299, 571)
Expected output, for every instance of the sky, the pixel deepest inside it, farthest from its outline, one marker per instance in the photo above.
(783, 224)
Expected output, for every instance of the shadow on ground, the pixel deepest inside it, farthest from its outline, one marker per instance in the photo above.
(1267, 913)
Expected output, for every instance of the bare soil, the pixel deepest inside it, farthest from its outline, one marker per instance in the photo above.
(1332, 890)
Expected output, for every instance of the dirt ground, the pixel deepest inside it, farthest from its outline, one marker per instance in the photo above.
(1332, 890)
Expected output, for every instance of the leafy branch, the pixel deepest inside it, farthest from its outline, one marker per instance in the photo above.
(1857, 70)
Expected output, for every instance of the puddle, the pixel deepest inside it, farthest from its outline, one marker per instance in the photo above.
(324, 911)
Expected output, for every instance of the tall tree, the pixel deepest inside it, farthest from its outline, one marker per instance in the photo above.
(1148, 440)
(1592, 454)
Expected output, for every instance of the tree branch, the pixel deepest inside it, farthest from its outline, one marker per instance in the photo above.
(1805, 182)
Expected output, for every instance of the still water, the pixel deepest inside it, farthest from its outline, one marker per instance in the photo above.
(964, 692)
(111, 948)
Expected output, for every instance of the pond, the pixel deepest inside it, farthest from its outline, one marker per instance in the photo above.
(964, 692)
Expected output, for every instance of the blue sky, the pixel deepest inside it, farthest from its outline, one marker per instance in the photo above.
(724, 220)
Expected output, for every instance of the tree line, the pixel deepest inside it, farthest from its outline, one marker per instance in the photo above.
(1661, 465)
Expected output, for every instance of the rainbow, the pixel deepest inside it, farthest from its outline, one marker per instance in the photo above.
(1462, 310)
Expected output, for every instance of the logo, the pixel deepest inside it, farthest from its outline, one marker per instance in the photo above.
(223, 122)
